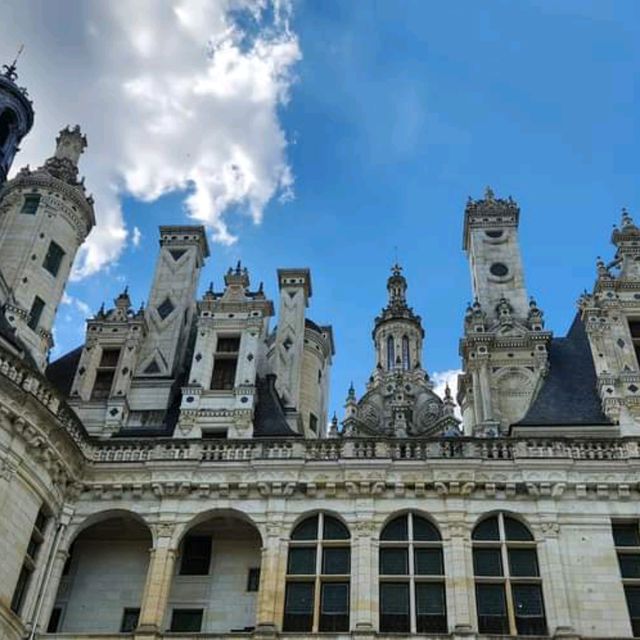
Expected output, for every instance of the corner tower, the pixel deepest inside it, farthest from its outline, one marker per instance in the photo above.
(45, 215)
(16, 117)
(504, 348)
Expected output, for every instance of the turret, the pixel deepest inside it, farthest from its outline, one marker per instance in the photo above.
(16, 117)
(45, 215)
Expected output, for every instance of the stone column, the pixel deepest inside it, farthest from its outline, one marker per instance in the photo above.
(364, 588)
(271, 582)
(459, 578)
(477, 397)
(49, 597)
(485, 389)
(158, 584)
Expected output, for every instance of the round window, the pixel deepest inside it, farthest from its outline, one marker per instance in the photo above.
(499, 269)
(495, 233)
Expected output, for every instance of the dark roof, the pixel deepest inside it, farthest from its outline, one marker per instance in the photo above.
(569, 393)
(62, 371)
(269, 417)
(310, 324)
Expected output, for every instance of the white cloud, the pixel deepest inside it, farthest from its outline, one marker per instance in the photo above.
(136, 237)
(77, 304)
(440, 381)
(172, 95)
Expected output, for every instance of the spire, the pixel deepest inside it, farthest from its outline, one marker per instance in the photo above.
(397, 287)
(10, 69)
(70, 144)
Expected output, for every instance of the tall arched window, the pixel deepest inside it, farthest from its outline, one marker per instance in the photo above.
(318, 576)
(412, 596)
(391, 353)
(508, 585)
(406, 358)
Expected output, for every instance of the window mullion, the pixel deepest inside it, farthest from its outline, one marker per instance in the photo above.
(411, 567)
(318, 581)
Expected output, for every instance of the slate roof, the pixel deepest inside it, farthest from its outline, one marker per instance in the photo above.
(569, 393)
(62, 371)
(269, 417)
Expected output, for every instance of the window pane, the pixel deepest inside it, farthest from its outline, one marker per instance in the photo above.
(306, 530)
(53, 259)
(487, 562)
(428, 562)
(186, 620)
(394, 607)
(302, 560)
(102, 385)
(129, 620)
(196, 556)
(626, 535)
(334, 607)
(523, 562)
(109, 357)
(223, 377)
(431, 616)
(334, 529)
(487, 530)
(633, 603)
(529, 610)
(336, 560)
(430, 598)
(396, 530)
(31, 204)
(21, 589)
(253, 579)
(515, 530)
(424, 530)
(629, 565)
(228, 345)
(298, 606)
(54, 620)
(335, 597)
(492, 611)
(394, 562)
(36, 311)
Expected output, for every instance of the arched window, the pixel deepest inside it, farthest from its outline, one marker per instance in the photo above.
(7, 122)
(508, 585)
(391, 353)
(318, 576)
(406, 358)
(412, 596)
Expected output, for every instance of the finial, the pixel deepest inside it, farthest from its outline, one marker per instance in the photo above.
(238, 268)
(488, 193)
(210, 289)
(627, 221)
(261, 287)
(10, 69)
(126, 290)
(351, 395)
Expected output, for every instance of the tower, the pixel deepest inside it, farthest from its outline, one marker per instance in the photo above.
(45, 215)
(504, 348)
(16, 117)
(399, 400)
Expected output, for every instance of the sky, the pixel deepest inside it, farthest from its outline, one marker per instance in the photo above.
(336, 135)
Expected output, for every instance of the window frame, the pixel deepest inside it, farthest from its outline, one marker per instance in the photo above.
(317, 579)
(230, 358)
(411, 577)
(506, 579)
(628, 583)
(53, 259)
(28, 207)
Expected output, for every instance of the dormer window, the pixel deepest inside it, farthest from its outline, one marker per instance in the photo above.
(30, 204)
(105, 374)
(225, 363)
(634, 328)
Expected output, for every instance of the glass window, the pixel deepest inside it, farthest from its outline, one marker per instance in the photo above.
(633, 604)
(505, 562)
(626, 534)
(228, 344)
(54, 620)
(318, 534)
(53, 259)
(165, 308)
(626, 537)
(186, 620)
(21, 588)
(253, 579)
(411, 546)
(391, 357)
(196, 556)
(37, 307)
(223, 377)
(30, 204)
(129, 620)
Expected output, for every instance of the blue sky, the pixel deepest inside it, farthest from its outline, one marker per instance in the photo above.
(398, 112)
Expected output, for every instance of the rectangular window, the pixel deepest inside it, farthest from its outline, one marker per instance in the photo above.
(186, 620)
(30, 204)
(629, 565)
(129, 620)
(36, 311)
(53, 259)
(109, 358)
(487, 562)
(298, 607)
(394, 562)
(21, 588)
(431, 615)
(634, 328)
(523, 562)
(302, 561)
(224, 373)
(334, 606)
(253, 579)
(428, 562)
(394, 607)
(626, 534)
(529, 609)
(226, 344)
(54, 620)
(313, 423)
(214, 434)
(196, 556)
(492, 609)
(102, 385)
(336, 560)
(633, 603)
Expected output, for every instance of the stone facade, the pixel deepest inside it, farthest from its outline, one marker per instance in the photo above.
(177, 474)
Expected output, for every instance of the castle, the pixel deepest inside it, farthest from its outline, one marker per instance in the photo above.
(178, 475)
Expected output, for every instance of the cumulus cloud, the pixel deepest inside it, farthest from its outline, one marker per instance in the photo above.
(136, 237)
(440, 381)
(76, 304)
(173, 95)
